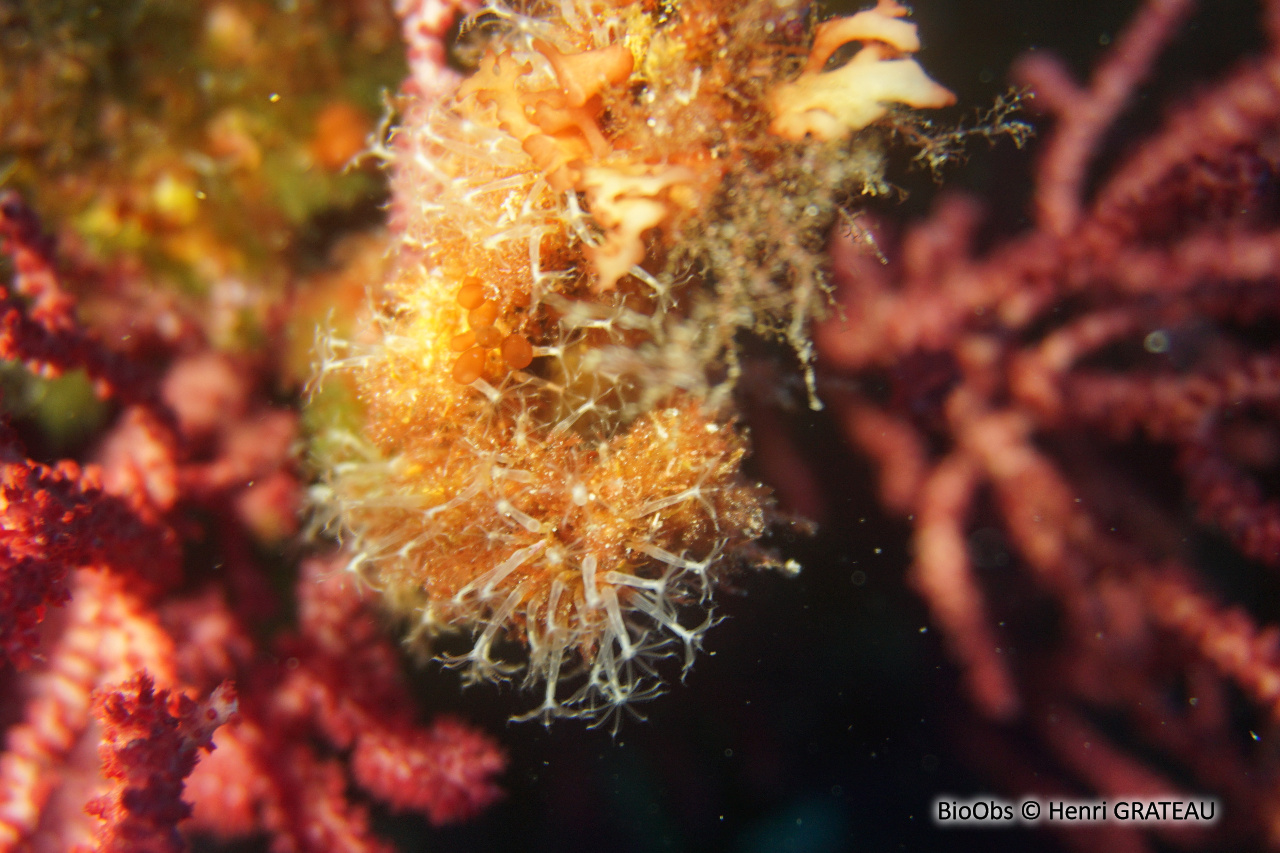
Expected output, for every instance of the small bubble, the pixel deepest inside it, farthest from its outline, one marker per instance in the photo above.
(1156, 342)
(859, 578)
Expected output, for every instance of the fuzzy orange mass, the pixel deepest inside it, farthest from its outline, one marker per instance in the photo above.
(550, 453)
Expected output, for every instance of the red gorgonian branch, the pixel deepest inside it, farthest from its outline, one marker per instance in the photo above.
(149, 747)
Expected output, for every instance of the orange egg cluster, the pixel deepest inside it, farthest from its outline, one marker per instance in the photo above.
(482, 336)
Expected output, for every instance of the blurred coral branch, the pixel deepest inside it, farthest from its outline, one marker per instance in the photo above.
(148, 568)
(1025, 392)
(149, 748)
(37, 321)
(94, 592)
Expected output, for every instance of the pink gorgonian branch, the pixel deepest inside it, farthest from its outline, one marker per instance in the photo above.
(149, 747)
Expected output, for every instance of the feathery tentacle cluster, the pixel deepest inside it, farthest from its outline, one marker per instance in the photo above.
(548, 451)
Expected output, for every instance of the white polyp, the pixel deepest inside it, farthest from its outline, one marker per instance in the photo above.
(691, 637)
(657, 585)
(610, 596)
(662, 503)
(480, 652)
(589, 589)
(486, 389)
(493, 577)
(673, 559)
(553, 602)
(525, 520)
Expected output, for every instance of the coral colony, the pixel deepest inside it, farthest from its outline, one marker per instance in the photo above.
(97, 613)
(529, 440)
(1073, 401)
(547, 450)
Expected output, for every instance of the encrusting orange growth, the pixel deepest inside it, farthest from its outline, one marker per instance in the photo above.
(549, 456)
(831, 104)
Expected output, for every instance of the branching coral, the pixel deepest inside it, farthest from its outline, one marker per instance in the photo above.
(149, 748)
(150, 559)
(548, 452)
(1072, 400)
